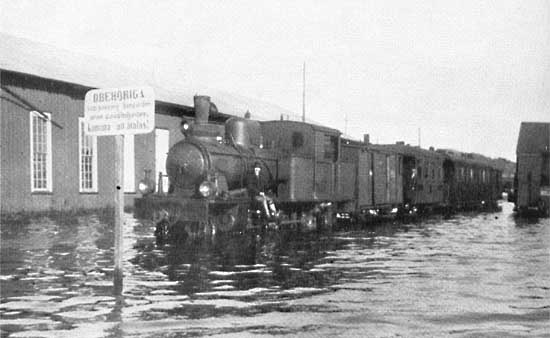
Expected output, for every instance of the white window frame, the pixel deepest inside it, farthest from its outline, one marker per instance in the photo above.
(93, 189)
(48, 177)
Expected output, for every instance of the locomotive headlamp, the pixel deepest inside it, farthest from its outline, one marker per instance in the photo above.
(146, 185)
(144, 188)
(185, 127)
(207, 189)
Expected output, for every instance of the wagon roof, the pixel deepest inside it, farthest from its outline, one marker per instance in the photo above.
(406, 150)
(534, 138)
(469, 158)
(315, 127)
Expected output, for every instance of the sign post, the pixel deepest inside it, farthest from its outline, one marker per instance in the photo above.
(118, 112)
(119, 213)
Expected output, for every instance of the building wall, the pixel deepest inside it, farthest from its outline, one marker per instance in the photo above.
(65, 102)
(529, 166)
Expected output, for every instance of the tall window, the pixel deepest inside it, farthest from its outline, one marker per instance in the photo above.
(41, 151)
(87, 159)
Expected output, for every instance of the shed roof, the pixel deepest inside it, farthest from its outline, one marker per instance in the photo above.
(534, 138)
(43, 60)
(46, 61)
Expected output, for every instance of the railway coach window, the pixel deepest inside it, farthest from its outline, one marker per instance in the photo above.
(297, 139)
(331, 148)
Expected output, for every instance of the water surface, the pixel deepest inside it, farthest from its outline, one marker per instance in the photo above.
(473, 275)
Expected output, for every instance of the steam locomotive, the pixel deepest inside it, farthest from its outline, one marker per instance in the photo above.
(315, 177)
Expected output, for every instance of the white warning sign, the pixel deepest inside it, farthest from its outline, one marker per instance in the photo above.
(119, 111)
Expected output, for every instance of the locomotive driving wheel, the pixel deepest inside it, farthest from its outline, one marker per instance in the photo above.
(161, 231)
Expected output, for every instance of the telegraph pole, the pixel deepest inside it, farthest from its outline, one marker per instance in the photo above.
(346, 124)
(304, 93)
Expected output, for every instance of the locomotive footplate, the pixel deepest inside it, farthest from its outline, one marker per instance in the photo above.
(222, 214)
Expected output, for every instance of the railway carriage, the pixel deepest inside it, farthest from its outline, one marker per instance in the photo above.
(472, 182)
(422, 176)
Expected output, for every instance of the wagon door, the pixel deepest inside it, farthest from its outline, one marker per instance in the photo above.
(449, 182)
(326, 169)
(347, 185)
(409, 179)
(364, 179)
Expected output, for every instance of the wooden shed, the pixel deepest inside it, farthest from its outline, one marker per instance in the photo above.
(533, 168)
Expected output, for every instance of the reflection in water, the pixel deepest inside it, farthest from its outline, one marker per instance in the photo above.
(471, 275)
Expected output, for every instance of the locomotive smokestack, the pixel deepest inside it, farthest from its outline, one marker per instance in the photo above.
(366, 138)
(202, 108)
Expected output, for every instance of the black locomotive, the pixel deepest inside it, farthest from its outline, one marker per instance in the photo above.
(310, 173)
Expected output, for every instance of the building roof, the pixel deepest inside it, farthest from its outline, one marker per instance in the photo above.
(469, 158)
(50, 62)
(46, 61)
(534, 138)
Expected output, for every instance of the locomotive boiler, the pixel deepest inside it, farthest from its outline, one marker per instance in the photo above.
(213, 159)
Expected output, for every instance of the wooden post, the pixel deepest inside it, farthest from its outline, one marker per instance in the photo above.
(119, 213)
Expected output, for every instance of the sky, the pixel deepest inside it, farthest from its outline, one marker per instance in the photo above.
(449, 74)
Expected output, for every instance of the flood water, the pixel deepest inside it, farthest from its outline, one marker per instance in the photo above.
(473, 275)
